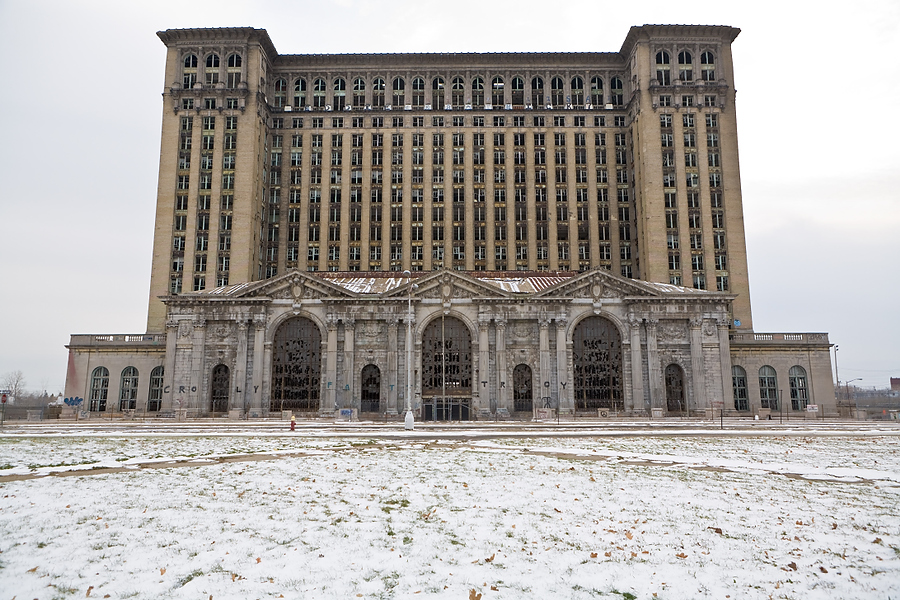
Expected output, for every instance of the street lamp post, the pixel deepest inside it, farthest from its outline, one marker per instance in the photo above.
(408, 421)
(855, 404)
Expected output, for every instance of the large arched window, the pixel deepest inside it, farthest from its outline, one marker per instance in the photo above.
(685, 66)
(617, 91)
(518, 92)
(537, 92)
(523, 389)
(378, 87)
(319, 93)
(189, 74)
(768, 388)
(280, 92)
(457, 92)
(799, 391)
(446, 370)
(663, 72)
(399, 88)
(154, 398)
(418, 92)
(359, 92)
(371, 389)
(99, 389)
(596, 91)
(437, 93)
(234, 70)
(212, 69)
(299, 93)
(220, 385)
(708, 66)
(557, 92)
(128, 389)
(340, 94)
(739, 388)
(296, 366)
(597, 358)
(497, 92)
(477, 92)
(577, 91)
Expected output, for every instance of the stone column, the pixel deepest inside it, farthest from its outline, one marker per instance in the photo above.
(698, 396)
(544, 379)
(239, 399)
(563, 379)
(169, 369)
(500, 385)
(725, 360)
(199, 378)
(350, 375)
(636, 402)
(392, 366)
(259, 365)
(657, 393)
(330, 366)
(484, 396)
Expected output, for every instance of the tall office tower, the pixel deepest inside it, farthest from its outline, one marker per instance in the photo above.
(624, 160)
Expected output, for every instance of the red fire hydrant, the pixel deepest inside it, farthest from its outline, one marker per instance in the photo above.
(293, 422)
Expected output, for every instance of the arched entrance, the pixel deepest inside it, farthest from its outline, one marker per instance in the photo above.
(371, 389)
(446, 370)
(219, 387)
(296, 366)
(597, 357)
(675, 389)
(523, 384)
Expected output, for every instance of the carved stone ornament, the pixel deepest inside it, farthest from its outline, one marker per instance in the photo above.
(523, 330)
(671, 332)
(371, 329)
(221, 331)
(709, 328)
(447, 292)
(184, 329)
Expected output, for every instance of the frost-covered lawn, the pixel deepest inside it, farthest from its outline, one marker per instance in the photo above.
(632, 517)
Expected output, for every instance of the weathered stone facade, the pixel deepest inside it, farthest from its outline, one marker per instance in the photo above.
(672, 346)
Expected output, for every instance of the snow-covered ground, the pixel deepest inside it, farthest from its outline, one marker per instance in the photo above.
(270, 516)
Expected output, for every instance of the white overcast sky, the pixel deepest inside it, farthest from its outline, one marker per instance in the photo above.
(80, 111)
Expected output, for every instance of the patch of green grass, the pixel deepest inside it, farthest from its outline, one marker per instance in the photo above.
(190, 576)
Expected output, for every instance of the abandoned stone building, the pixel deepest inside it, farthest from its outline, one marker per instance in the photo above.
(474, 235)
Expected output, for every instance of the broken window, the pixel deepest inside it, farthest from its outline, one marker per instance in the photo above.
(663, 75)
(296, 366)
(799, 391)
(597, 357)
(768, 388)
(99, 389)
(739, 387)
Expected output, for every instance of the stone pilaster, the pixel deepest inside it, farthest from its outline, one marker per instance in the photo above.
(544, 380)
(725, 360)
(350, 376)
(502, 396)
(331, 383)
(482, 393)
(697, 400)
(259, 364)
(563, 377)
(239, 398)
(657, 391)
(636, 402)
(169, 371)
(199, 378)
(392, 365)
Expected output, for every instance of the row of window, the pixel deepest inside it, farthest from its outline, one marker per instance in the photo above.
(685, 68)
(769, 392)
(448, 93)
(212, 70)
(129, 383)
(441, 121)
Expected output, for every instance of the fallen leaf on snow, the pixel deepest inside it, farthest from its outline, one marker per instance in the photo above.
(474, 595)
(593, 555)
(32, 570)
(162, 571)
(90, 587)
(681, 555)
(258, 560)
(629, 535)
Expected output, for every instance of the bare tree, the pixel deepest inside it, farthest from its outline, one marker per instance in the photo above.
(14, 381)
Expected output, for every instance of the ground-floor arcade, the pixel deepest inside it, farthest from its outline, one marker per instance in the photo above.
(452, 346)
